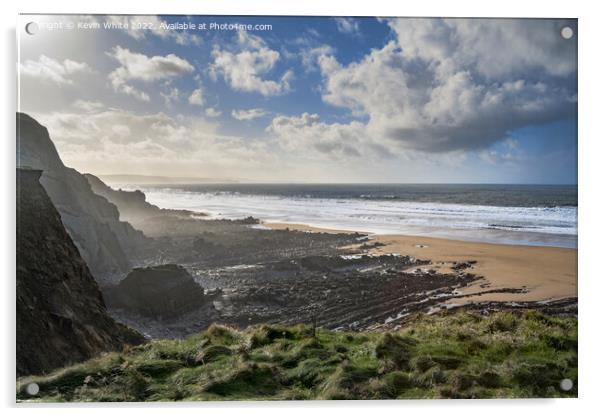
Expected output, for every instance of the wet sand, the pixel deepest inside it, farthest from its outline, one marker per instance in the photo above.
(545, 272)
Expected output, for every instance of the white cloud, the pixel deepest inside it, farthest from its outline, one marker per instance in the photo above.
(169, 97)
(51, 70)
(139, 67)
(491, 47)
(88, 106)
(122, 141)
(249, 114)
(310, 56)
(212, 112)
(307, 134)
(440, 87)
(196, 98)
(244, 68)
(347, 25)
(121, 130)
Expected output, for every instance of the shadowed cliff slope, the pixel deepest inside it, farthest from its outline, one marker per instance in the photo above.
(106, 243)
(132, 205)
(61, 316)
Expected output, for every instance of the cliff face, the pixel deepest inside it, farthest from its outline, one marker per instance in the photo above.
(105, 242)
(132, 205)
(61, 315)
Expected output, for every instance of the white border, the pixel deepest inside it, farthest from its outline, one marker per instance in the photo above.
(589, 195)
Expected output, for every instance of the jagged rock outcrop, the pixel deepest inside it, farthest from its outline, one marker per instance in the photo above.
(164, 291)
(132, 205)
(61, 315)
(106, 243)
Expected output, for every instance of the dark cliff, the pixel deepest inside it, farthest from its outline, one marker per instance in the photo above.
(106, 243)
(61, 315)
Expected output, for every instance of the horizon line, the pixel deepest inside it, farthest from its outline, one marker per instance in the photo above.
(344, 183)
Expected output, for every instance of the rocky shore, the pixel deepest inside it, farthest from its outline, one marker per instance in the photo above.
(295, 274)
(170, 273)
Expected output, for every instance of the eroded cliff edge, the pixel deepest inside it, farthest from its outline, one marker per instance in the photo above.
(61, 315)
(106, 243)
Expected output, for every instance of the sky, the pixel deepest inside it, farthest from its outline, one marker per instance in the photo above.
(306, 99)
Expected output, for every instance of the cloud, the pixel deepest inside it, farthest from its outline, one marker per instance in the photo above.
(139, 67)
(212, 112)
(491, 47)
(449, 85)
(51, 70)
(250, 114)
(310, 56)
(169, 97)
(508, 151)
(196, 98)
(243, 69)
(307, 134)
(88, 106)
(347, 25)
(115, 140)
(121, 130)
(430, 95)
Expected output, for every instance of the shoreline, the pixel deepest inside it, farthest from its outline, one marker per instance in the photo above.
(544, 273)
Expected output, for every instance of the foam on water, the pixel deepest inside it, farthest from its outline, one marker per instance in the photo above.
(552, 226)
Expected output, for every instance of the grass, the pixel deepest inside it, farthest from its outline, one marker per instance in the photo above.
(457, 355)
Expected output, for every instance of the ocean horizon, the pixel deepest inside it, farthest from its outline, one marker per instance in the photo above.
(541, 215)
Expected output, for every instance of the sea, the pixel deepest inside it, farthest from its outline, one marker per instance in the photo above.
(543, 215)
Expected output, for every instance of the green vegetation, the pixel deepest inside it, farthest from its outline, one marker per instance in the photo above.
(456, 355)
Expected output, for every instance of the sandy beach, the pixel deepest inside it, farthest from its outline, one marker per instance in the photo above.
(545, 272)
